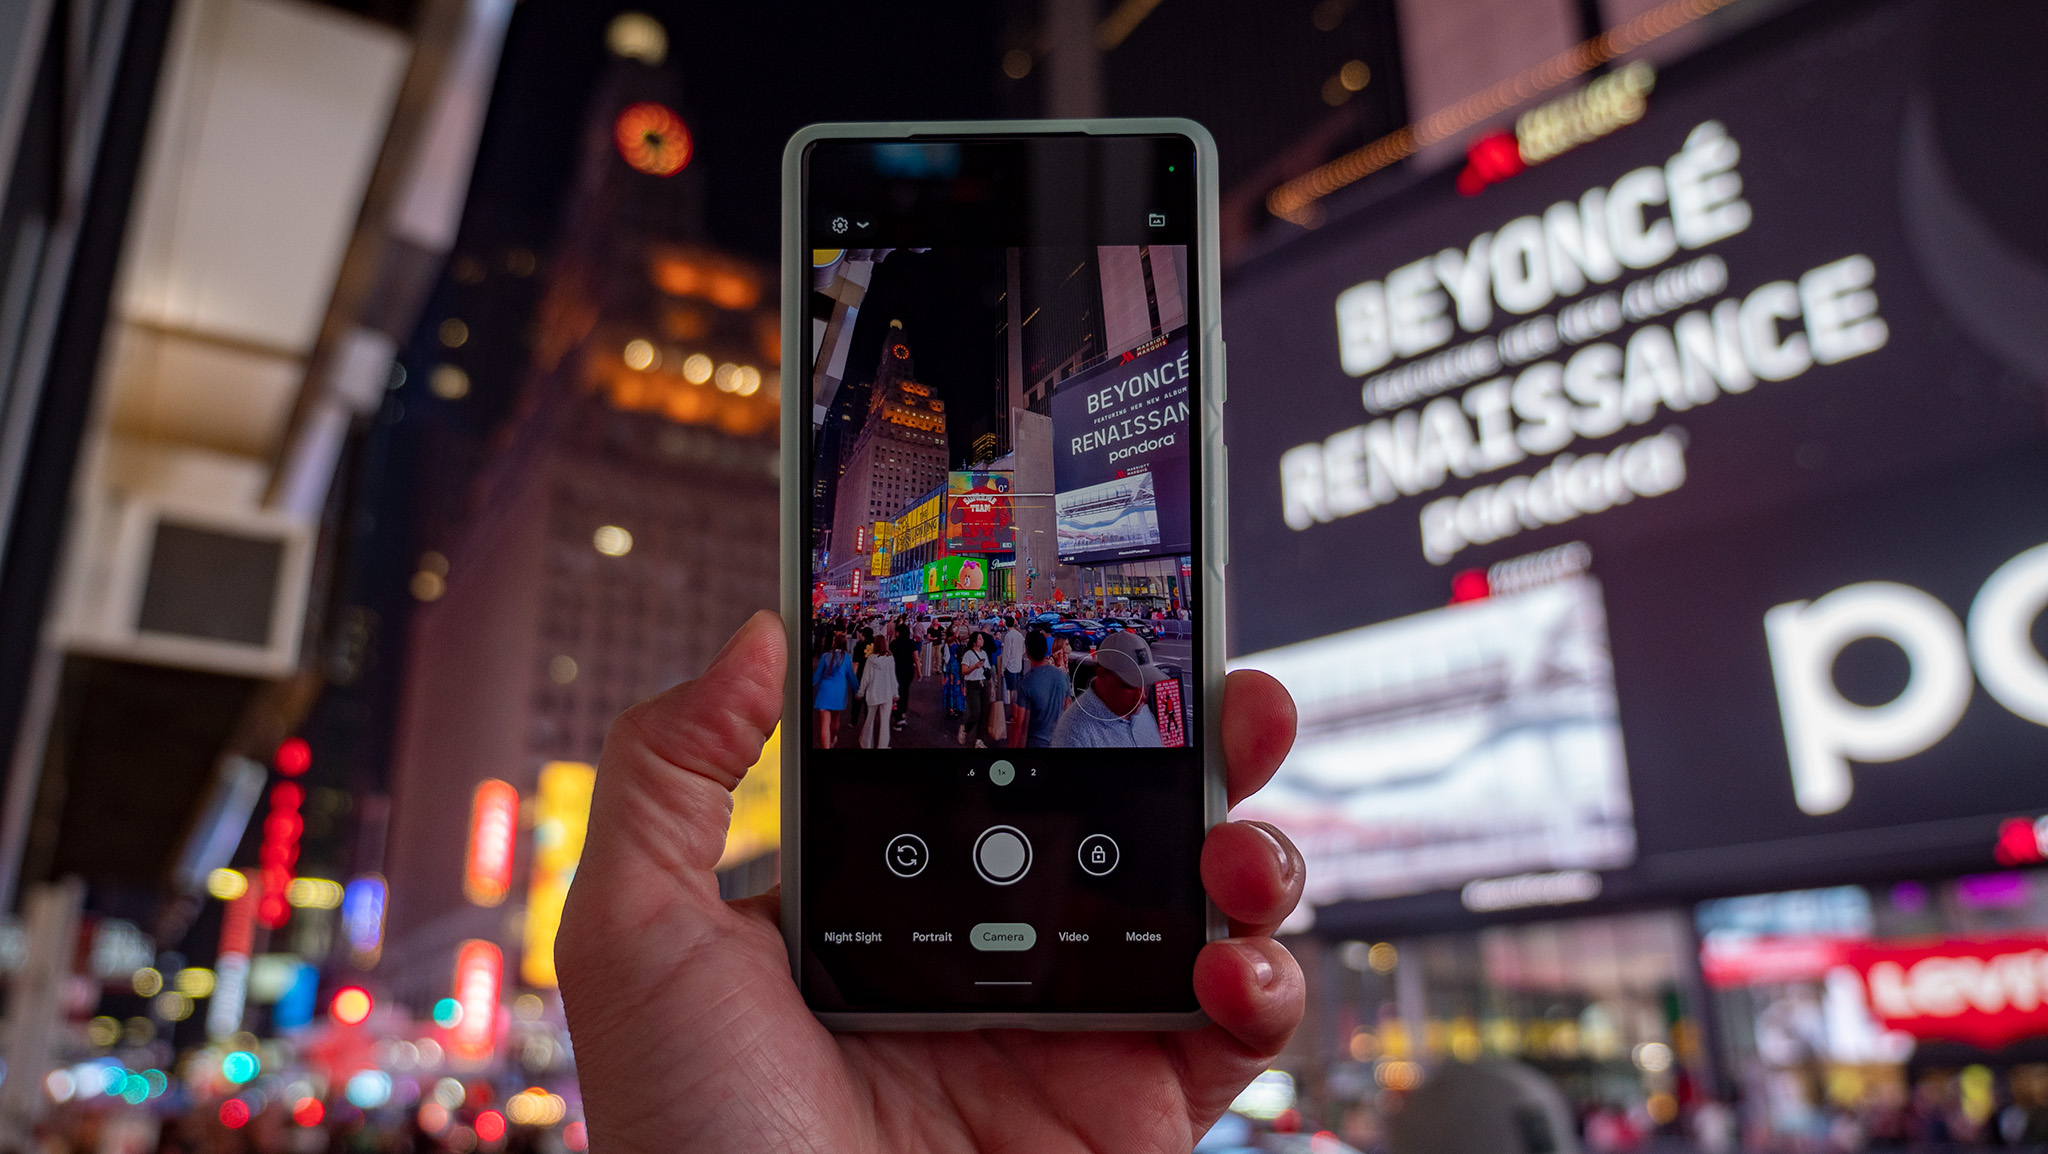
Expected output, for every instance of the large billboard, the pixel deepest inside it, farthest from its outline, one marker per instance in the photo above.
(979, 514)
(956, 577)
(921, 524)
(1668, 519)
(1120, 457)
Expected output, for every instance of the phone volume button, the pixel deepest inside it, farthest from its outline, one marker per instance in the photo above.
(1222, 517)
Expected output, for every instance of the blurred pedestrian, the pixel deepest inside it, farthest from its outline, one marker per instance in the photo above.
(743, 1063)
(974, 679)
(956, 690)
(832, 687)
(1045, 692)
(1013, 657)
(904, 650)
(878, 691)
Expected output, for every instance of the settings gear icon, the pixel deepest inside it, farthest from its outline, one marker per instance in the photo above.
(839, 224)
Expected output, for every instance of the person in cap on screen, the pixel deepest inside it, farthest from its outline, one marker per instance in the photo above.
(1111, 712)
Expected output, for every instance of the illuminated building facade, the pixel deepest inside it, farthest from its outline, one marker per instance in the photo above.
(898, 456)
(620, 527)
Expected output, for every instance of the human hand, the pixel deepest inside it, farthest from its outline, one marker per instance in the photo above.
(691, 1035)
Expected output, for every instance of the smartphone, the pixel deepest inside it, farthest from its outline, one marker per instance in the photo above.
(1003, 555)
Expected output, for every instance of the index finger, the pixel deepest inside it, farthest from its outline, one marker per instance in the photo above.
(1258, 729)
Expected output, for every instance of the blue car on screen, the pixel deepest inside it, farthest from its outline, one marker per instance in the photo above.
(1082, 635)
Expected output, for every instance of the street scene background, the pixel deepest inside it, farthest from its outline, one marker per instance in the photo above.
(1638, 433)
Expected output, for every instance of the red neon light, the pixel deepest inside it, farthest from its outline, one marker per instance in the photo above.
(238, 921)
(1470, 585)
(2018, 842)
(279, 854)
(479, 967)
(1988, 993)
(293, 756)
(493, 822)
(1489, 160)
(490, 1126)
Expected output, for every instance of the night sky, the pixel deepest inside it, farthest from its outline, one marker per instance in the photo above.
(752, 74)
(949, 301)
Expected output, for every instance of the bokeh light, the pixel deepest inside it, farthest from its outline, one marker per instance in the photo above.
(612, 541)
(234, 1113)
(653, 139)
(240, 1067)
(447, 1013)
(369, 1089)
(313, 893)
(637, 36)
(448, 382)
(351, 1005)
(227, 884)
(293, 756)
(308, 1111)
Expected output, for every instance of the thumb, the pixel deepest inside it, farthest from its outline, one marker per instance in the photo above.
(664, 783)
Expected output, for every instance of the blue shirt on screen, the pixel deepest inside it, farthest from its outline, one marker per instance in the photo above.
(1045, 695)
(1089, 724)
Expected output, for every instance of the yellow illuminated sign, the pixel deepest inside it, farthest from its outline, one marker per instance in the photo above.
(757, 807)
(920, 525)
(885, 534)
(561, 817)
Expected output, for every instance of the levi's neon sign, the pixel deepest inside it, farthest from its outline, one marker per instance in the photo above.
(1985, 992)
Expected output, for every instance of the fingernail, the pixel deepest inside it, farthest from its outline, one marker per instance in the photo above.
(1279, 847)
(1262, 968)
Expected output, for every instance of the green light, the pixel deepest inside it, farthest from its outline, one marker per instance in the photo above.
(1169, 168)
(239, 1067)
(447, 1013)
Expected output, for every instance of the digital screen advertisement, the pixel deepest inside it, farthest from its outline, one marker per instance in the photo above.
(979, 516)
(1689, 493)
(1120, 457)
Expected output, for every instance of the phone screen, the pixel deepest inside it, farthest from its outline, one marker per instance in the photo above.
(1002, 779)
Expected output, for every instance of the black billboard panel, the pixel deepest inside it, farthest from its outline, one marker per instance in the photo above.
(1120, 457)
(1672, 518)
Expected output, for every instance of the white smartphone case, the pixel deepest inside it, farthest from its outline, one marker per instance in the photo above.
(1213, 510)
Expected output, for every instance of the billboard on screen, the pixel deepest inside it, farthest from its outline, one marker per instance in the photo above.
(956, 577)
(921, 523)
(1120, 457)
(979, 514)
(1750, 383)
(884, 546)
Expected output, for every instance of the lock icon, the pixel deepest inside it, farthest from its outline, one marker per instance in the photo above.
(1097, 855)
